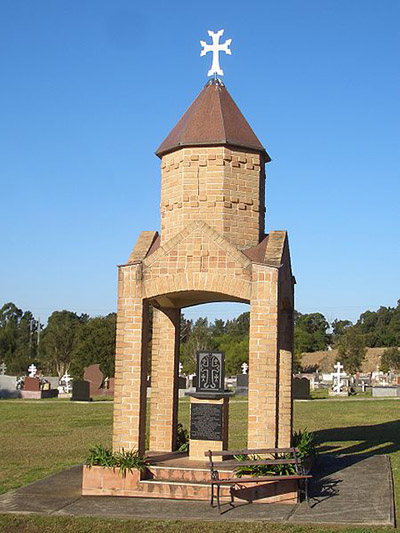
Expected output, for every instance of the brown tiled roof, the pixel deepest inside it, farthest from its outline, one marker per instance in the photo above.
(212, 119)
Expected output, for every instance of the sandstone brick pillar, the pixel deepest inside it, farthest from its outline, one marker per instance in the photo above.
(164, 379)
(129, 430)
(263, 359)
(285, 375)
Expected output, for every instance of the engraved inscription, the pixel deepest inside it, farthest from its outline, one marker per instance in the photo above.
(206, 422)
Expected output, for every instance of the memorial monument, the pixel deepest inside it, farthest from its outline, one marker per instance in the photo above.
(212, 247)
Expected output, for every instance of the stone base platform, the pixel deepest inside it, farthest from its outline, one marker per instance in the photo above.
(175, 476)
(340, 494)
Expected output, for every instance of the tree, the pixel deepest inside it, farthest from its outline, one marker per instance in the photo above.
(18, 335)
(339, 328)
(310, 332)
(95, 344)
(60, 340)
(200, 338)
(390, 360)
(351, 351)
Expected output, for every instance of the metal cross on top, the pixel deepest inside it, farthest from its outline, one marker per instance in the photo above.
(216, 47)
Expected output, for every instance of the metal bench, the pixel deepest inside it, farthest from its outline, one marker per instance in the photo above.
(252, 459)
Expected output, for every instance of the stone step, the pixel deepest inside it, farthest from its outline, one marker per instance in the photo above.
(152, 488)
(167, 473)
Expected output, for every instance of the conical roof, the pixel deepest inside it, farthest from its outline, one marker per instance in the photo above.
(212, 119)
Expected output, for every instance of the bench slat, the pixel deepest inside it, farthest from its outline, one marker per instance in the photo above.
(237, 464)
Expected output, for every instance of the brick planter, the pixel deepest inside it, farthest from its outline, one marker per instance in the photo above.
(100, 481)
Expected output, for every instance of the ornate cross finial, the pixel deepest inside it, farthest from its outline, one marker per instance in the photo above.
(216, 48)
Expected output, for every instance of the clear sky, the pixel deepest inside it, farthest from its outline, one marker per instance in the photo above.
(90, 88)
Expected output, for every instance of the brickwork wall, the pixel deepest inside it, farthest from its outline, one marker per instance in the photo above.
(129, 429)
(221, 186)
(197, 259)
(263, 359)
(286, 347)
(164, 384)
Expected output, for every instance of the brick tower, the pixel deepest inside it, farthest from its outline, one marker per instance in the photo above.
(212, 247)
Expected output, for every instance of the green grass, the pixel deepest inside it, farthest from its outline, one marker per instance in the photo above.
(39, 438)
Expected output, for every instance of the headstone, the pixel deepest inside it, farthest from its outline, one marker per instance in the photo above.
(81, 391)
(8, 387)
(210, 372)
(3, 368)
(94, 376)
(31, 384)
(301, 389)
(244, 368)
(206, 422)
(180, 368)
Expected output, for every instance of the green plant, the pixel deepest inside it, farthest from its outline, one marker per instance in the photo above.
(182, 438)
(99, 455)
(304, 441)
(263, 470)
(124, 460)
(129, 460)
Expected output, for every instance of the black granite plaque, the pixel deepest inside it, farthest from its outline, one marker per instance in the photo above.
(210, 369)
(206, 421)
(81, 391)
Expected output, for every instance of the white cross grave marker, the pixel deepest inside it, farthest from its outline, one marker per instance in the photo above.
(337, 377)
(180, 368)
(67, 379)
(216, 47)
(32, 371)
(3, 368)
(244, 368)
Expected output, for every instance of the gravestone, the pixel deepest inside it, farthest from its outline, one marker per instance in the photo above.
(208, 406)
(31, 384)
(301, 389)
(210, 367)
(81, 391)
(8, 387)
(94, 376)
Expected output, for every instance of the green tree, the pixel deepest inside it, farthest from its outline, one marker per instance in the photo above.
(95, 344)
(200, 338)
(60, 340)
(18, 336)
(339, 328)
(351, 351)
(310, 332)
(390, 360)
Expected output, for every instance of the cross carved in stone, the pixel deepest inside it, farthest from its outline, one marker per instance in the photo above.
(210, 371)
(216, 47)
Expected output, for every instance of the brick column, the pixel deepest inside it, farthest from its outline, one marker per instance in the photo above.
(164, 379)
(263, 359)
(285, 374)
(129, 430)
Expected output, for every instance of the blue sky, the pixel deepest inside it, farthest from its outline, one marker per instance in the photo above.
(90, 88)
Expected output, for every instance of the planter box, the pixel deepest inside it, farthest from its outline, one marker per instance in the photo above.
(99, 481)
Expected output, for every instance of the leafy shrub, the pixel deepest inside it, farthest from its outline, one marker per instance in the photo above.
(182, 438)
(124, 460)
(303, 440)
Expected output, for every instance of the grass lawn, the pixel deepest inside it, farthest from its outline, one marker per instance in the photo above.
(39, 438)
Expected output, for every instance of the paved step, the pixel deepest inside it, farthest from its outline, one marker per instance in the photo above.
(179, 490)
(168, 473)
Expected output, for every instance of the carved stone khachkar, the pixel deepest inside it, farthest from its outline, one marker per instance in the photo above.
(212, 247)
